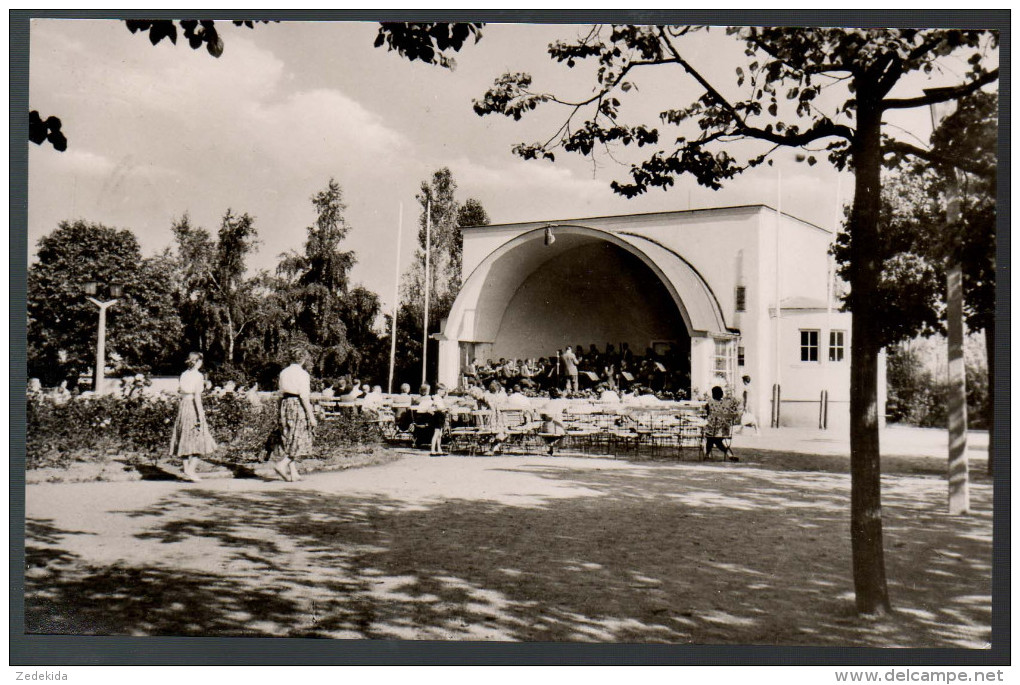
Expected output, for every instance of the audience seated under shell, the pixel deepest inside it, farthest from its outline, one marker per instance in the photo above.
(374, 399)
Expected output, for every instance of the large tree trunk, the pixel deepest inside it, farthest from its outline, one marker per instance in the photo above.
(865, 472)
(990, 400)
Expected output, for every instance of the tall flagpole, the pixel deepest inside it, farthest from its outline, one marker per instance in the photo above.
(428, 287)
(396, 299)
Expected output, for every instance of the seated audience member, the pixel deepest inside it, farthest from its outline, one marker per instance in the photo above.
(373, 400)
(404, 398)
(401, 403)
(517, 399)
(721, 414)
(353, 392)
(647, 398)
(608, 395)
(631, 397)
(471, 398)
(61, 394)
(557, 404)
(495, 401)
(551, 430)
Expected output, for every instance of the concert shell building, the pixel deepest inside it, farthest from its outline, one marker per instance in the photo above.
(704, 282)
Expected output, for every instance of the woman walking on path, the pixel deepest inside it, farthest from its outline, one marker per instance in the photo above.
(191, 438)
(296, 419)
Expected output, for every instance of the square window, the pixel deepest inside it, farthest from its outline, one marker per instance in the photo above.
(837, 347)
(809, 346)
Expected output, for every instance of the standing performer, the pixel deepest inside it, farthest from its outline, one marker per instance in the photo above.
(570, 362)
(296, 417)
(191, 438)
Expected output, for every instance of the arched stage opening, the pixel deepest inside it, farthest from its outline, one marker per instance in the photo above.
(573, 285)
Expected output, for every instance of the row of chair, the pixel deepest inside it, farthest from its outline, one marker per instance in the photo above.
(517, 430)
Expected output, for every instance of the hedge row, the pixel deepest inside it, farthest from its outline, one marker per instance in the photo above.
(90, 427)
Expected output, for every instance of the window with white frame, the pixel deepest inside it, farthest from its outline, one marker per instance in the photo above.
(837, 346)
(726, 360)
(809, 345)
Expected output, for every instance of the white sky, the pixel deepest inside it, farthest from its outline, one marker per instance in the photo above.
(158, 131)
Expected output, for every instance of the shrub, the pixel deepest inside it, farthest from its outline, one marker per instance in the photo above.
(918, 397)
(90, 427)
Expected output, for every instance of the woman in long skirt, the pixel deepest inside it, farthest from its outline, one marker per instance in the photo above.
(191, 438)
(296, 417)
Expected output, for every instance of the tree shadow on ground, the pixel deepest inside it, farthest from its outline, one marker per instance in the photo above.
(649, 553)
(785, 460)
(150, 471)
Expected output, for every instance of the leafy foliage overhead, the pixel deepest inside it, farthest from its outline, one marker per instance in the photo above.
(40, 131)
(779, 102)
(915, 240)
(196, 32)
(427, 41)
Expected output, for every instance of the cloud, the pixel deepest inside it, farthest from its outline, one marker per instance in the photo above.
(320, 126)
(79, 162)
(515, 175)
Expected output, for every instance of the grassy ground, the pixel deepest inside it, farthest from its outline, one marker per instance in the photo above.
(511, 548)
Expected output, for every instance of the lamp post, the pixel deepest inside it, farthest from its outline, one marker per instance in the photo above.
(959, 491)
(91, 288)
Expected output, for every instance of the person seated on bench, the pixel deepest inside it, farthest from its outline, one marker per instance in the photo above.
(552, 431)
(719, 423)
(495, 400)
(373, 401)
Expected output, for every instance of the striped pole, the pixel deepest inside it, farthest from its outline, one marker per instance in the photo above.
(428, 287)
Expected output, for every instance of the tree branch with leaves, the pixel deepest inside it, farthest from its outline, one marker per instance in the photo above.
(785, 97)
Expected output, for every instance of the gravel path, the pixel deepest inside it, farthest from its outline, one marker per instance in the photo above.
(506, 548)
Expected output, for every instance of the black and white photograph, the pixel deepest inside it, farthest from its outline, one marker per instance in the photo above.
(513, 331)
